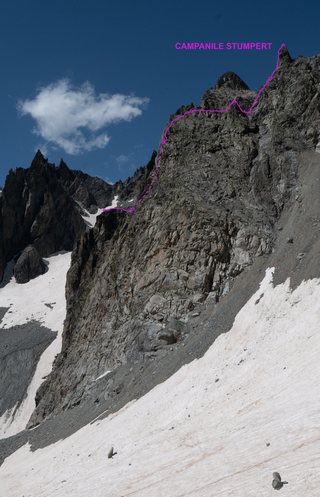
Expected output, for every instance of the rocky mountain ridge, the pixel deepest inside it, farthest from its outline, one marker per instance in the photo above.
(192, 323)
(138, 282)
(149, 291)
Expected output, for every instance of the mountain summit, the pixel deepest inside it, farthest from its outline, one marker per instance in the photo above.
(231, 81)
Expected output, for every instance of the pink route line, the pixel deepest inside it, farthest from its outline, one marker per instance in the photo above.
(189, 112)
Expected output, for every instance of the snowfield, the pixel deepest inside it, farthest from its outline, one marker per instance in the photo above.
(220, 426)
(28, 302)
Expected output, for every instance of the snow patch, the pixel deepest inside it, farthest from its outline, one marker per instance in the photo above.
(114, 203)
(28, 302)
(219, 426)
(90, 219)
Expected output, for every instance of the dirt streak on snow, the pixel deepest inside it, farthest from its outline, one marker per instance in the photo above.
(195, 436)
(28, 302)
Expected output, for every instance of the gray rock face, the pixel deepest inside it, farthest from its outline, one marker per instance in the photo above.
(223, 182)
(29, 265)
(20, 350)
(232, 81)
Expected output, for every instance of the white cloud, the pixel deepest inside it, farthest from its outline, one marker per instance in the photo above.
(63, 112)
(122, 159)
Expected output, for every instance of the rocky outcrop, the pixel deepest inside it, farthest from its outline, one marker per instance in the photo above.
(44, 206)
(136, 280)
(231, 81)
(83, 188)
(35, 209)
(135, 186)
(91, 193)
(218, 98)
(29, 265)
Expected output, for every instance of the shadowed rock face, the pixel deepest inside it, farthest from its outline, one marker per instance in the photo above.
(83, 188)
(35, 209)
(223, 183)
(41, 206)
(29, 265)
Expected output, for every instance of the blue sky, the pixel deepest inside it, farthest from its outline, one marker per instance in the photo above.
(95, 82)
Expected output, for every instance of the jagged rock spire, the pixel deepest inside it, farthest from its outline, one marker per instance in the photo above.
(284, 56)
(38, 159)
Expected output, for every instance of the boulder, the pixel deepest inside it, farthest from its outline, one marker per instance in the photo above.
(29, 265)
